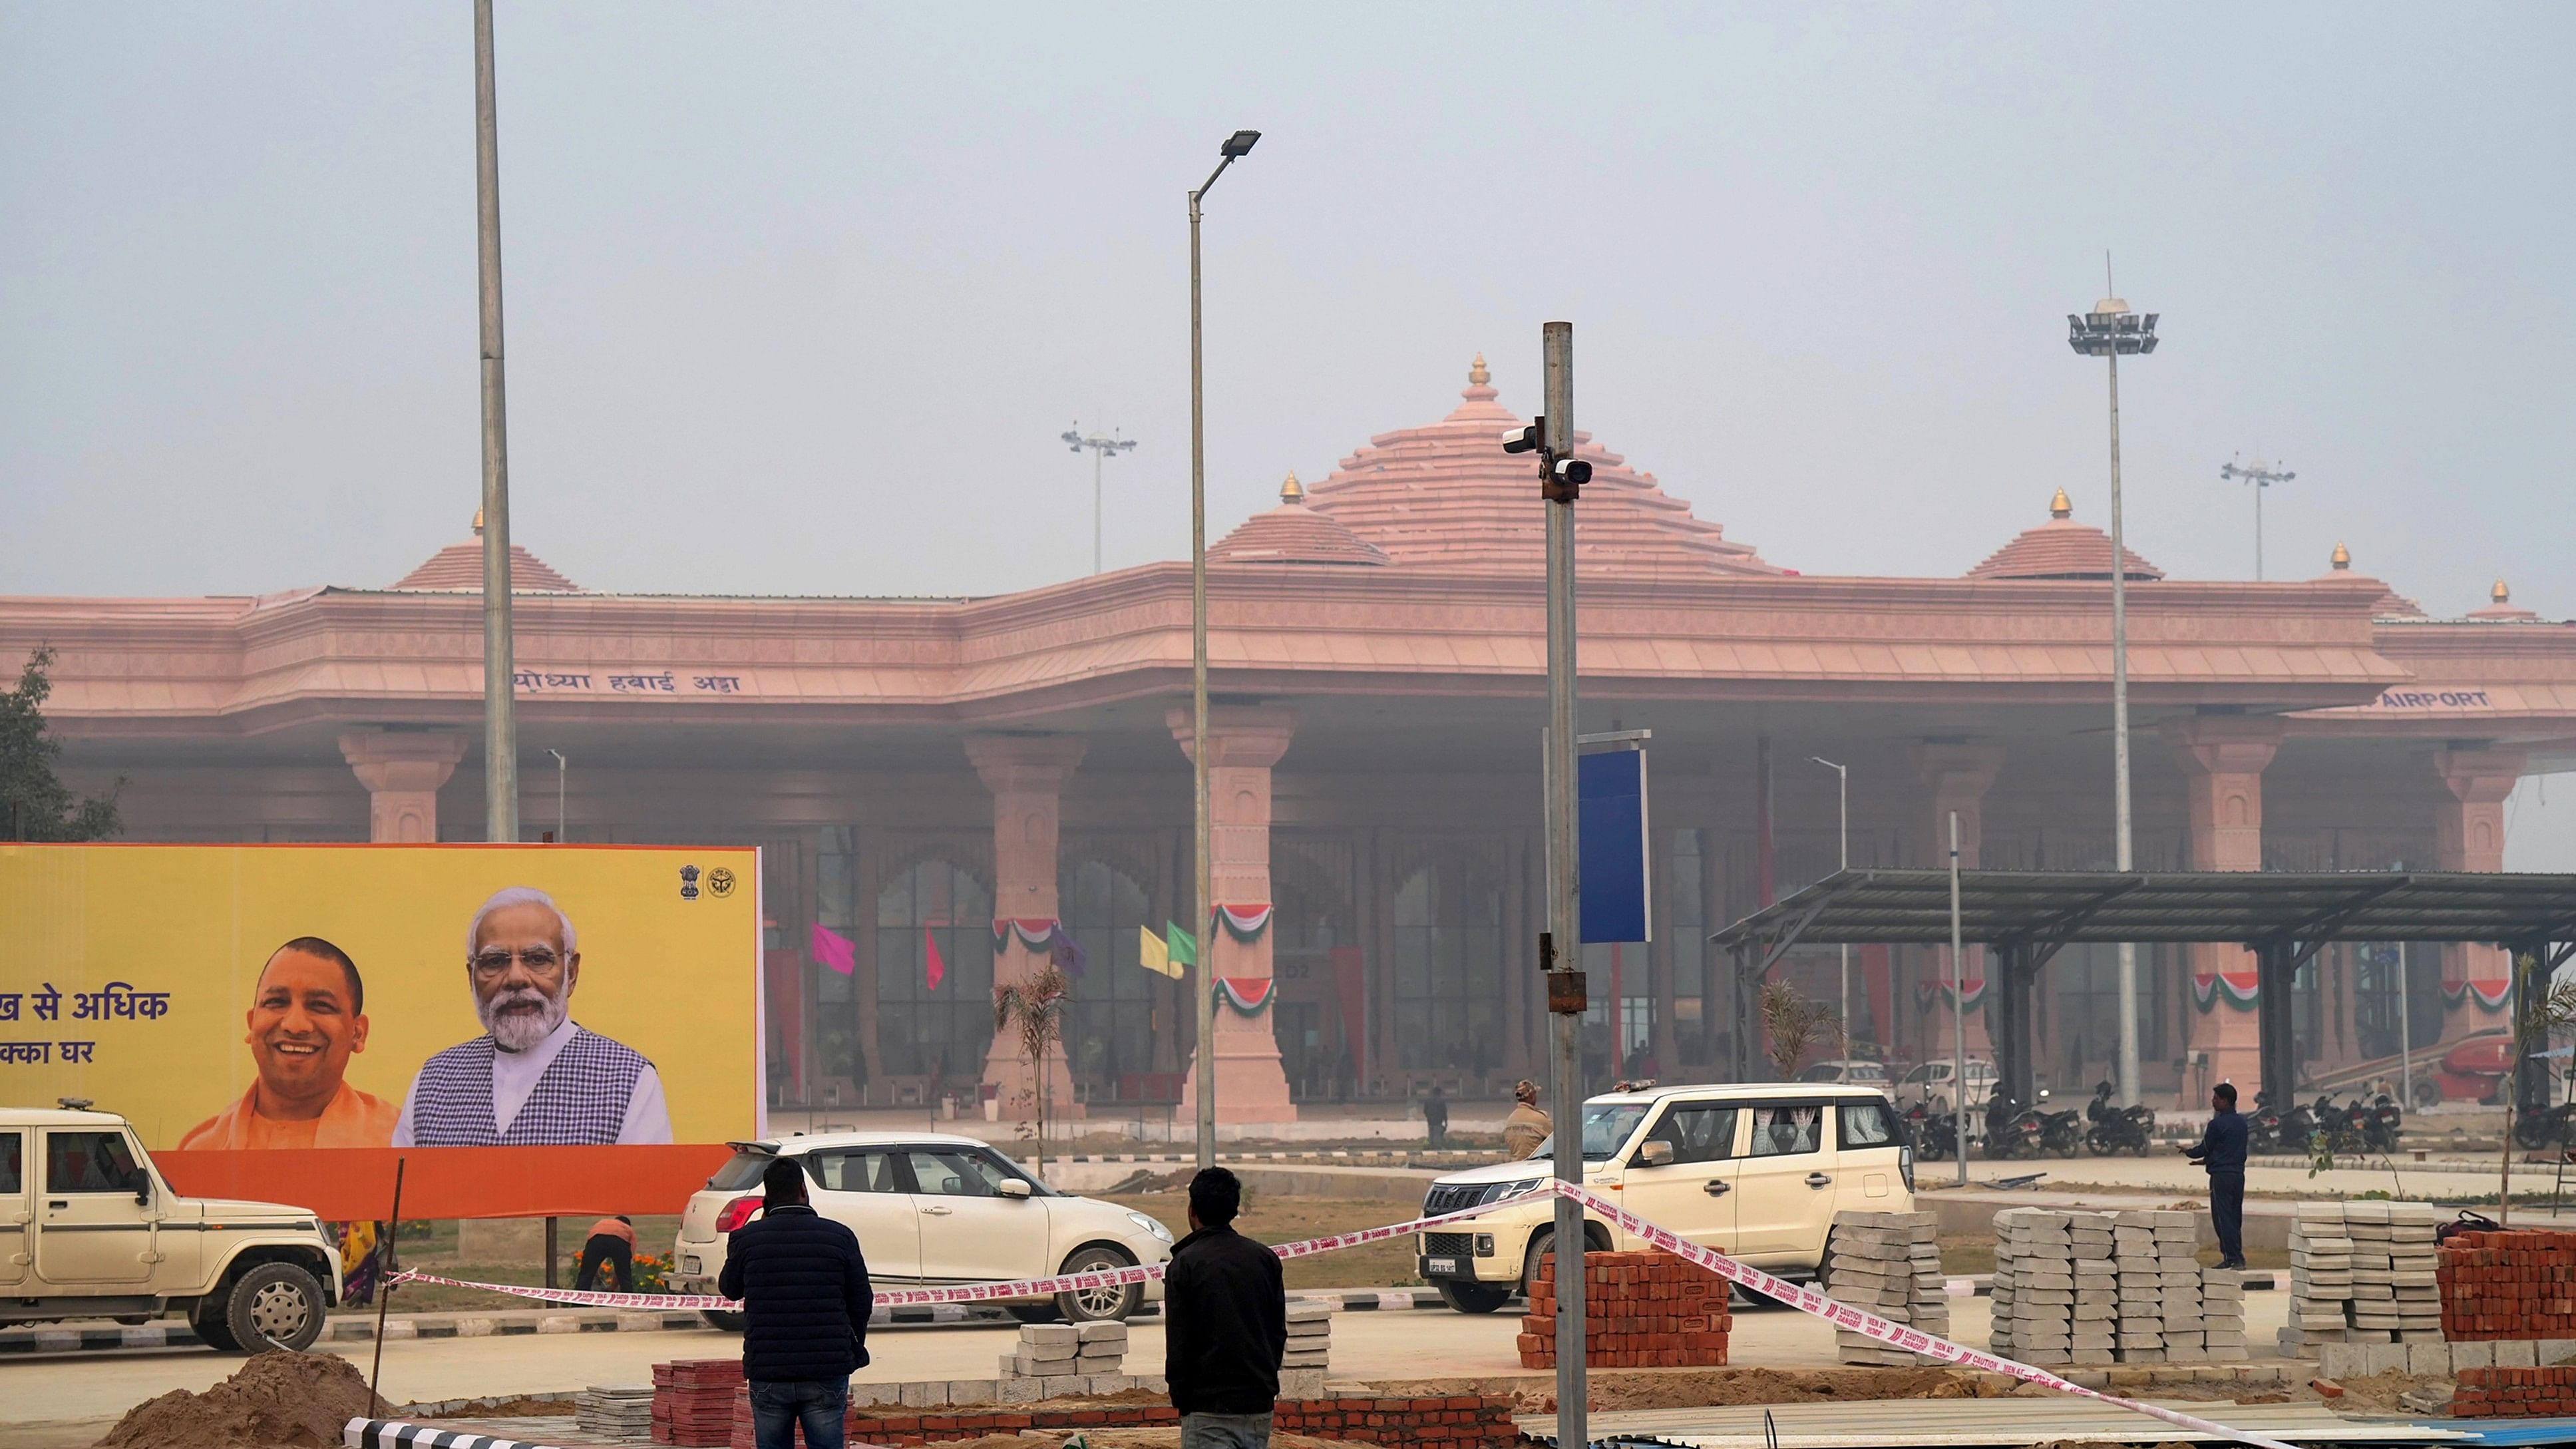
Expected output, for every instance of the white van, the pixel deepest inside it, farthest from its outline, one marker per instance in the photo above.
(1756, 1171)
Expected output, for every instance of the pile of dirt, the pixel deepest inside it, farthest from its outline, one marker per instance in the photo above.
(505, 1409)
(1146, 1180)
(276, 1400)
(2384, 1393)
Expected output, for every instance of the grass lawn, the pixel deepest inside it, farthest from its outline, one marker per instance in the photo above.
(1275, 1219)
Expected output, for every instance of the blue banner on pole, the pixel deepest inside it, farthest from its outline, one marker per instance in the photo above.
(1611, 845)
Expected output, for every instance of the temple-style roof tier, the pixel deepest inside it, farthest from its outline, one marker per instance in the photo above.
(460, 566)
(1292, 533)
(2062, 548)
(2391, 604)
(1448, 497)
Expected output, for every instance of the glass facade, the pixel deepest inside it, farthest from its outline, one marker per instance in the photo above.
(939, 1031)
(1448, 940)
(1109, 1033)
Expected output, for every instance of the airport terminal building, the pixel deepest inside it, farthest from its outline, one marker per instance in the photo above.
(993, 780)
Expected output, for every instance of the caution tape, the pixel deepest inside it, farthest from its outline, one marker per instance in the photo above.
(958, 1293)
(1804, 1299)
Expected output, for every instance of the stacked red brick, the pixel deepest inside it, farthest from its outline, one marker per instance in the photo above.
(2508, 1285)
(2515, 1393)
(1640, 1310)
(1458, 1422)
(693, 1401)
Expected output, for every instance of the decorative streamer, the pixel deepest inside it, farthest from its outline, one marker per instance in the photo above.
(1036, 934)
(1939, 990)
(2243, 989)
(2460, 993)
(1245, 923)
(1248, 995)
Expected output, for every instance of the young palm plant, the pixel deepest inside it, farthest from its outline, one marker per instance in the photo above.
(1793, 1023)
(1036, 1007)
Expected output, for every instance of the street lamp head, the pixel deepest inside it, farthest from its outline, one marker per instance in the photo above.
(1239, 144)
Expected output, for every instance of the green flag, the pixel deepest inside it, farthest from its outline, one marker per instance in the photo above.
(1185, 952)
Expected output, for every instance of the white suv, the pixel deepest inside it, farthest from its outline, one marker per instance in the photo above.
(1756, 1172)
(88, 1229)
(929, 1210)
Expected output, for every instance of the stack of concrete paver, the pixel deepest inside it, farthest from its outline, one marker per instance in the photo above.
(2362, 1272)
(2161, 1318)
(2034, 1293)
(1310, 1335)
(2222, 1308)
(1066, 1350)
(1888, 1264)
(620, 1412)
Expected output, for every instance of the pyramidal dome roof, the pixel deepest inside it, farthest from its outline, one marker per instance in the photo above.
(2389, 605)
(2062, 548)
(1295, 533)
(459, 567)
(1447, 496)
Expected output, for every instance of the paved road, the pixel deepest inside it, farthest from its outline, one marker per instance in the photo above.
(66, 1402)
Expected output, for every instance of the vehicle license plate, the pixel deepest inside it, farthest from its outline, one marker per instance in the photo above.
(1440, 1265)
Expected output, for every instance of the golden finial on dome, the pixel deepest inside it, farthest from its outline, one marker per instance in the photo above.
(478, 523)
(2342, 557)
(2058, 507)
(2500, 594)
(1292, 491)
(1477, 376)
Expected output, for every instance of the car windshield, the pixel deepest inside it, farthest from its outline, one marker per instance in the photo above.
(742, 1171)
(1605, 1126)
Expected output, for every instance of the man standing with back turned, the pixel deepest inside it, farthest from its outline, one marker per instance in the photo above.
(1225, 1323)
(2221, 1150)
(805, 1300)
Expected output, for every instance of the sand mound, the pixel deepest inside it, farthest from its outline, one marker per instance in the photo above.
(275, 1401)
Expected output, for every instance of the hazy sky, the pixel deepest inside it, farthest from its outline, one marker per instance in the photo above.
(800, 296)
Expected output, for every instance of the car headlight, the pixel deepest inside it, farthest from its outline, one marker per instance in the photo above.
(1519, 1189)
(1150, 1225)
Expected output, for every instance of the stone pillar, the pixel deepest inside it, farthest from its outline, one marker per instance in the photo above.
(1959, 776)
(2468, 834)
(1244, 741)
(2222, 759)
(402, 770)
(1026, 774)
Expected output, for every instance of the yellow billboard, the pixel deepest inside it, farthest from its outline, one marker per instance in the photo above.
(278, 997)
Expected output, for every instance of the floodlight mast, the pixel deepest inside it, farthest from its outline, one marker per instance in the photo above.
(2109, 331)
(1100, 448)
(2262, 478)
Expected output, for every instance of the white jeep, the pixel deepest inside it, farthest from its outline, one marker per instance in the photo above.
(88, 1229)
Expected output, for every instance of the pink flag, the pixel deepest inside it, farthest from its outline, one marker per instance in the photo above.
(835, 950)
(938, 969)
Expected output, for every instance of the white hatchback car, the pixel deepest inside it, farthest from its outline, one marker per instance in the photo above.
(931, 1210)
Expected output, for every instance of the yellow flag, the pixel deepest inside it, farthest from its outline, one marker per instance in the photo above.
(1153, 955)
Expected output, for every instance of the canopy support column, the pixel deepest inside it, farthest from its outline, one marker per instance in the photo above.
(2275, 963)
(2016, 973)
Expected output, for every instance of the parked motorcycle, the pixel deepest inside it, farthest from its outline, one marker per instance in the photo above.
(2263, 1127)
(1935, 1134)
(2387, 1119)
(2012, 1130)
(2059, 1136)
(2114, 1128)
(2340, 1126)
(2553, 1128)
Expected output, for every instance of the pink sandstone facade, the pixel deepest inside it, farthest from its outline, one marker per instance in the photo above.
(924, 773)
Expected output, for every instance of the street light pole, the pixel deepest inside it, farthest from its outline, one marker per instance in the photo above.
(1102, 447)
(2109, 330)
(2262, 478)
(1564, 884)
(1238, 144)
(500, 671)
(1842, 776)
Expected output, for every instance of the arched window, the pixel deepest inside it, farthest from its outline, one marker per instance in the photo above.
(940, 1031)
(1109, 1032)
(1448, 972)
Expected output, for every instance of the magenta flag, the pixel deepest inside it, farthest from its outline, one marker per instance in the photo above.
(936, 968)
(835, 950)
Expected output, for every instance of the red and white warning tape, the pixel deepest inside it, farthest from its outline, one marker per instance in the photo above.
(1804, 1299)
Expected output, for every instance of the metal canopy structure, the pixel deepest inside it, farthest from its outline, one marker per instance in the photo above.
(2283, 918)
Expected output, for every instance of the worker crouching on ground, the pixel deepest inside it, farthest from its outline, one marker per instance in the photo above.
(805, 1302)
(609, 1252)
(1225, 1323)
(2221, 1150)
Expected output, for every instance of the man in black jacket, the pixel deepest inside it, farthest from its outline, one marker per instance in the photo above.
(1225, 1323)
(2221, 1150)
(805, 1298)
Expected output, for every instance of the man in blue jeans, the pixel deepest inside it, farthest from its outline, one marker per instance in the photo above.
(805, 1302)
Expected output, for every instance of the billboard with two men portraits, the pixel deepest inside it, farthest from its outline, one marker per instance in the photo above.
(339, 1003)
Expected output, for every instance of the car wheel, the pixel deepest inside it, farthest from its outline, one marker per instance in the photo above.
(1474, 1297)
(274, 1305)
(1033, 1312)
(206, 1316)
(1103, 1302)
(1539, 1247)
(723, 1322)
